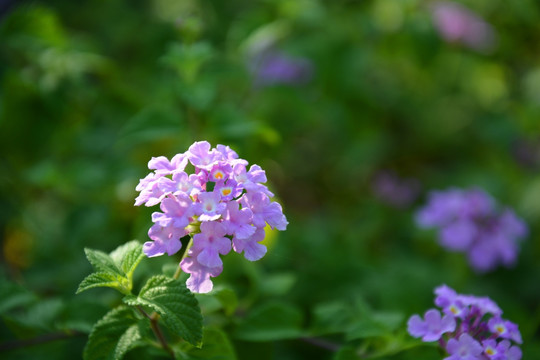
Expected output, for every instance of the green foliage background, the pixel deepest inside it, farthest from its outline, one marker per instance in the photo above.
(91, 90)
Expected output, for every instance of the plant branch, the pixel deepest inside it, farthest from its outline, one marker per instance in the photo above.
(325, 344)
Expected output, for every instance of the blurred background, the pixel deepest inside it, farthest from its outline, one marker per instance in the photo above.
(355, 109)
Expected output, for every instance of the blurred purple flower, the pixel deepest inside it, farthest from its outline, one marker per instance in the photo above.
(468, 221)
(457, 24)
(465, 348)
(273, 67)
(393, 190)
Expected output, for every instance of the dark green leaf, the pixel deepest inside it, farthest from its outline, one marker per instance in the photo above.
(216, 346)
(176, 305)
(270, 322)
(114, 335)
(219, 299)
(13, 295)
(346, 353)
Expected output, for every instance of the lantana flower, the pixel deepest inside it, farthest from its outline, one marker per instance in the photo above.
(222, 205)
(476, 331)
(469, 221)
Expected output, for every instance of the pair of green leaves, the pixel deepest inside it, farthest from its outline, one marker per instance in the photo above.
(123, 328)
(113, 270)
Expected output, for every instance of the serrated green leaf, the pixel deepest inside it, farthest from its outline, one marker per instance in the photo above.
(128, 256)
(102, 279)
(176, 305)
(114, 335)
(216, 346)
(102, 262)
(271, 322)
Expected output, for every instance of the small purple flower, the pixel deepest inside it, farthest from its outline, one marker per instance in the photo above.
(483, 305)
(504, 329)
(176, 211)
(457, 24)
(465, 348)
(228, 190)
(210, 243)
(209, 206)
(150, 193)
(165, 240)
(220, 173)
(181, 182)
(433, 327)
(511, 352)
(200, 155)
(199, 279)
(253, 251)
(238, 221)
(251, 180)
(161, 165)
(265, 211)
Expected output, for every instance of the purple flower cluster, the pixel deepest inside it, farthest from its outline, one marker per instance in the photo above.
(468, 221)
(221, 205)
(469, 328)
(457, 24)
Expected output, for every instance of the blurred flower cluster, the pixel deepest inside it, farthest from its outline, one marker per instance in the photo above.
(469, 221)
(394, 190)
(222, 205)
(457, 24)
(471, 327)
(273, 67)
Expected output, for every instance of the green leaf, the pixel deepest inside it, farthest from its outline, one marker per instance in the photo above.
(333, 317)
(13, 295)
(128, 256)
(278, 284)
(102, 262)
(346, 353)
(114, 335)
(219, 299)
(216, 346)
(101, 279)
(274, 321)
(376, 324)
(114, 270)
(176, 305)
(228, 300)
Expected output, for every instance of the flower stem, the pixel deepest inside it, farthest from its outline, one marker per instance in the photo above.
(157, 330)
(179, 269)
